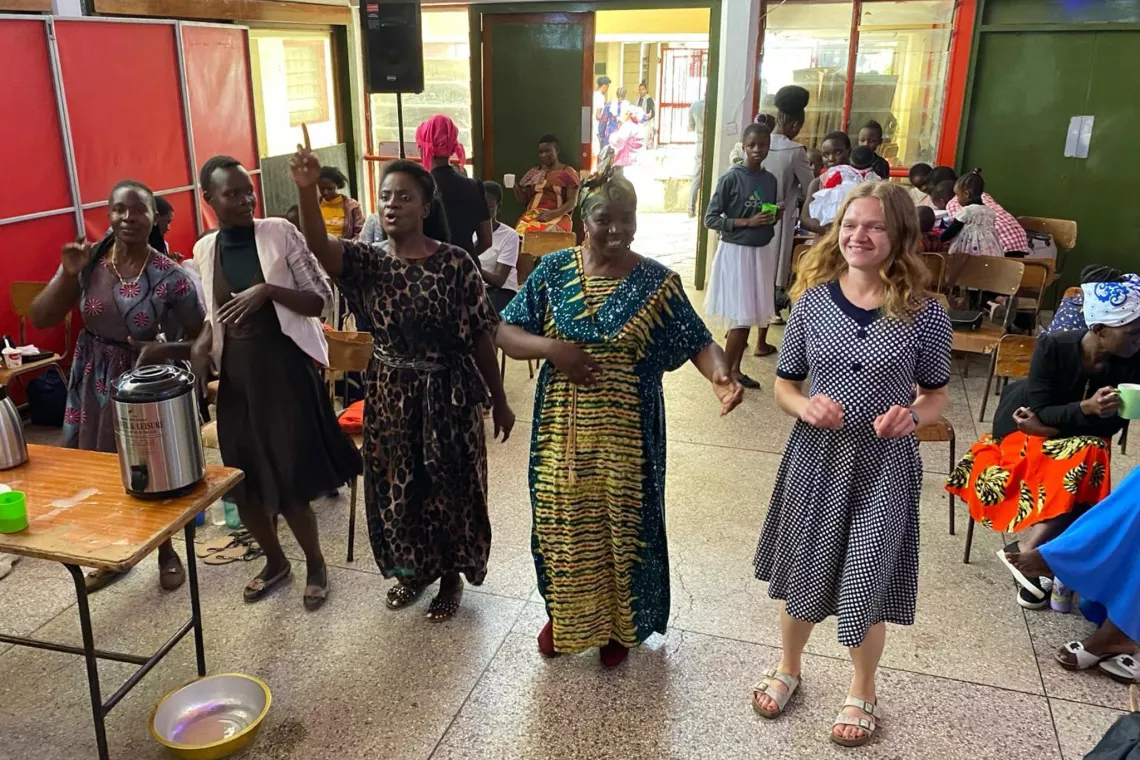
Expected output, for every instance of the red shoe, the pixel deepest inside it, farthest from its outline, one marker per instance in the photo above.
(613, 654)
(546, 640)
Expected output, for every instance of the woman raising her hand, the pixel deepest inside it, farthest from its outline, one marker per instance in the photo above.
(609, 324)
(841, 534)
(425, 451)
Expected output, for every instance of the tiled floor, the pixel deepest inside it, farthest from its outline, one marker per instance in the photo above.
(973, 678)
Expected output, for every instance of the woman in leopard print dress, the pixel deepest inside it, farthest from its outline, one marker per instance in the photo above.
(425, 453)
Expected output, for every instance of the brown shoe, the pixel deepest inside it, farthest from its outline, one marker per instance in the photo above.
(171, 574)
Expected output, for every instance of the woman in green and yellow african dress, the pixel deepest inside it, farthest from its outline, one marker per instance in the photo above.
(609, 324)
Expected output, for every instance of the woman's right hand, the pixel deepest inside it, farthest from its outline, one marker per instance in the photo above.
(823, 413)
(571, 360)
(1104, 403)
(76, 256)
(305, 167)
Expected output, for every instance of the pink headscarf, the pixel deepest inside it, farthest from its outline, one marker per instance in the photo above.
(438, 136)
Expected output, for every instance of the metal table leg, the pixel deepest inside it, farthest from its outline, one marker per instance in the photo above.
(89, 656)
(195, 604)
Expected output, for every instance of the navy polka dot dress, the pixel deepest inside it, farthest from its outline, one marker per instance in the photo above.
(841, 535)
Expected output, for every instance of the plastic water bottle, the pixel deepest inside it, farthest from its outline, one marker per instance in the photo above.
(231, 513)
(1061, 600)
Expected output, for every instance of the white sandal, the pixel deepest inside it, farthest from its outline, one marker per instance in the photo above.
(764, 688)
(1085, 658)
(1123, 668)
(867, 724)
(1025, 583)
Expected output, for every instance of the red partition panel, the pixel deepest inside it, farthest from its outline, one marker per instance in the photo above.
(30, 253)
(29, 130)
(182, 234)
(124, 103)
(221, 99)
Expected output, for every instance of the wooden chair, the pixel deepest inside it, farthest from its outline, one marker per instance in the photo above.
(23, 293)
(1063, 231)
(936, 263)
(348, 352)
(798, 253)
(1011, 361)
(1036, 278)
(942, 432)
(992, 275)
(538, 244)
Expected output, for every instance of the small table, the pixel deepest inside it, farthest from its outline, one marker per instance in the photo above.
(79, 514)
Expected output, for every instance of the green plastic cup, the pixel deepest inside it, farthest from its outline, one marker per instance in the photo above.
(1129, 401)
(13, 512)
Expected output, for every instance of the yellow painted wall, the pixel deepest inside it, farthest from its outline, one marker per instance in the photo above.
(647, 23)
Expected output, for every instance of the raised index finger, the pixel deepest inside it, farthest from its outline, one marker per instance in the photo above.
(305, 133)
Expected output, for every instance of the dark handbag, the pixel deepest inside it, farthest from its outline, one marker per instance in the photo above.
(47, 397)
(1122, 741)
(966, 320)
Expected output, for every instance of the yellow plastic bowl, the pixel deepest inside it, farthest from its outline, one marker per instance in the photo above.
(212, 717)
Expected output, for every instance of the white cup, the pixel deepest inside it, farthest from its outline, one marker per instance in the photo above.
(508, 181)
(12, 358)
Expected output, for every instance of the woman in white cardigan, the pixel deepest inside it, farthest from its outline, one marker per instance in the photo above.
(788, 161)
(264, 290)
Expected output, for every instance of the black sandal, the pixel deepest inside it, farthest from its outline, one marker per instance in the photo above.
(315, 595)
(747, 382)
(171, 574)
(100, 579)
(402, 594)
(443, 609)
(258, 588)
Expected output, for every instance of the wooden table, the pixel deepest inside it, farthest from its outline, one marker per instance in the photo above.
(79, 514)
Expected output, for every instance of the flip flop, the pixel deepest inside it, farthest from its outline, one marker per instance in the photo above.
(1122, 668)
(1025, 583)
(243, 552)
(256, 589)
(764, 351)
(6, 562)
(215, 545)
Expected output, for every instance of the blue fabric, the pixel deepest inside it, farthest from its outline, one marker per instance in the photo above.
(1097, 556)
(1070, 315)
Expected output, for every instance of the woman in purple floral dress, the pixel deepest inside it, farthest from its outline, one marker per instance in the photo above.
(126, 291)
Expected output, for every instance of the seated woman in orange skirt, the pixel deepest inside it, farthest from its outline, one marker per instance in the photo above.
(549, 191)
(1048, 458)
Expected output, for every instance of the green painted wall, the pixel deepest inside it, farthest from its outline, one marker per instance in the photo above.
(1060, 11)
(1027, 82)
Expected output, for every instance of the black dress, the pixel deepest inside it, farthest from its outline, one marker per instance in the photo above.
(275, 420)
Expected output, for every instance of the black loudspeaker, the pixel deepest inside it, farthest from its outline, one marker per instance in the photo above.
(393, 45)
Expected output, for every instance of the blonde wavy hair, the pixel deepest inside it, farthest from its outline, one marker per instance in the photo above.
(904, 276)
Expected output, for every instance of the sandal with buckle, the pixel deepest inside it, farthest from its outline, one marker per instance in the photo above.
(1122, 668)
(764, 688)
(866, 725)
(1074, 656)
(402, 594)
(444, 609)
(257, 589)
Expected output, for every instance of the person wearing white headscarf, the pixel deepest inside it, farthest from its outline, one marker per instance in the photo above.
(1047, 460)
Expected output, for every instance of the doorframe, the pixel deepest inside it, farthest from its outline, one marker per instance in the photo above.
(476, 12)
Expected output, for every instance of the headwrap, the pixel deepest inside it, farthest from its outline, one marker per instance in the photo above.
(604, 184)
(1112, 304)
(438, 136)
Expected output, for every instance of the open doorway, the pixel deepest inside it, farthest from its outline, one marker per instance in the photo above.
(652, 113)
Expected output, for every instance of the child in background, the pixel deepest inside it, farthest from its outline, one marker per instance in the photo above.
(743, 282)
(871, 136)
(974, 227)
(837, 181)
(931, 240)
(918, 175)
(941, 194)
(815, 158)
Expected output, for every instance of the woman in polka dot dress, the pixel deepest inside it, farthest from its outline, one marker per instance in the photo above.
(841, 534)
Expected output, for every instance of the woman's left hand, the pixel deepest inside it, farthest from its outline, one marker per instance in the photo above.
(545, 216)
(728, 391)
(244, 303)
(504, 419)
(895, 423)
